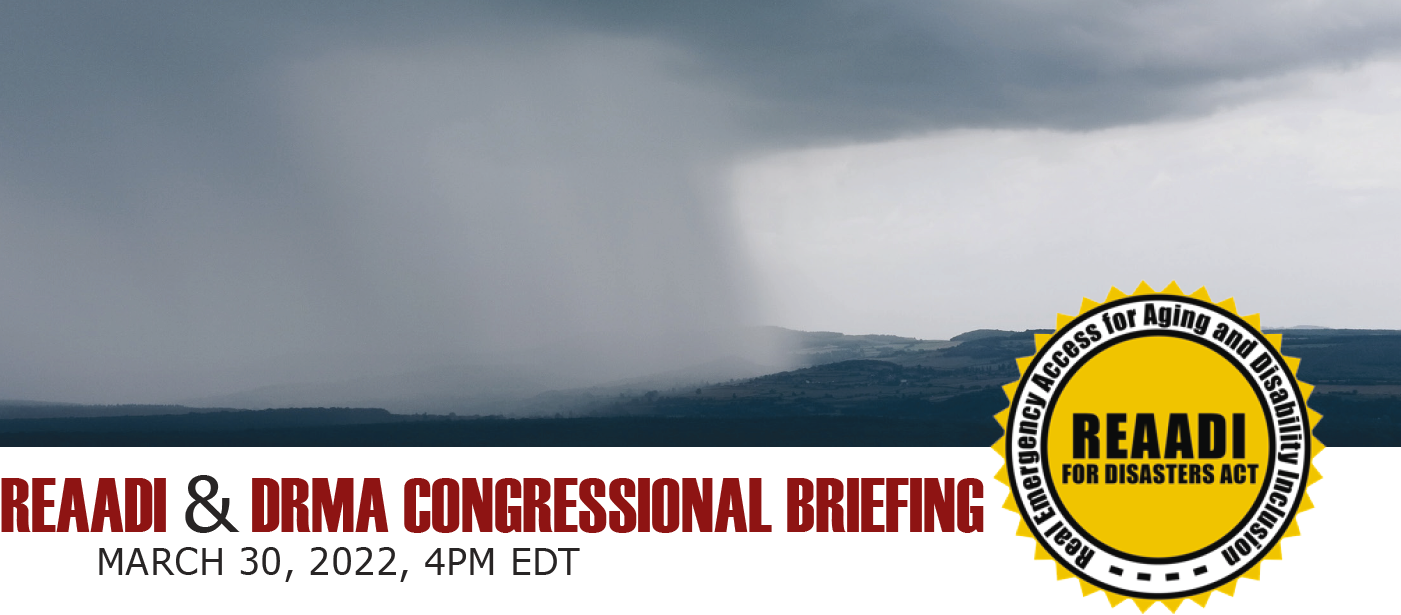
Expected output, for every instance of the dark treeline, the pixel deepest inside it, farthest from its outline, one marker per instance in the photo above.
(221, 420)
(588, 431)
(960, 421)
(918, 397)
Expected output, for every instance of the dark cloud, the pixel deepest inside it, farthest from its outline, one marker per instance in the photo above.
(187, 190)
(197, 202)
(850, 69)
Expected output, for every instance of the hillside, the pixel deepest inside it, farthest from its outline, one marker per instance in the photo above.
(899, 392)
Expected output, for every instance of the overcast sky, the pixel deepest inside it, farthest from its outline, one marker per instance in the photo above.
(195, 199)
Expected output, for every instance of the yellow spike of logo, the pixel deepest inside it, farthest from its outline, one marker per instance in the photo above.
(1040, 339)
(1022, 362)
(1254, 320)
(1041, 552)
(1293, 529)
(1145, 440)
(1229, 588)
(1062, 320)
(1010, 389)
(1085, 588)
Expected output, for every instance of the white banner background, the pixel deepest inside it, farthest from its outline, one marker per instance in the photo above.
(1346, 559)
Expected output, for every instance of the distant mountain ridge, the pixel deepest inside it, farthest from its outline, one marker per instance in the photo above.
(897, 390)
(529, 384)
(40, 410)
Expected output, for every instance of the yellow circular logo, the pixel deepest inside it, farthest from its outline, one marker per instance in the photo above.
(1158, 446)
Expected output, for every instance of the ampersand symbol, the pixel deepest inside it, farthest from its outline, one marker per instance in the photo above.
(220, 516)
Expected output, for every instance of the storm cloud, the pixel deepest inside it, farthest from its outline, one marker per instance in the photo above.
(199, 199)
(862, 70)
